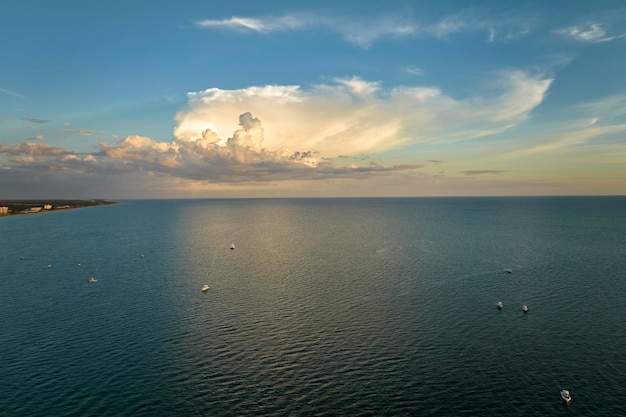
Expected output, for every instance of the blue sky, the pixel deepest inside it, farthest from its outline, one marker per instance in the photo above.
(173, 99)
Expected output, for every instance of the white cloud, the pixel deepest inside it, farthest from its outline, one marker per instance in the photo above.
(591, 122)
(365, 31)
(414, 71)
(11, 93)
(287, 22)
(609, 108)
(589, 32)
(353, 116)
(362, 33)
(288, 133)
(569, 138)
(497, 27)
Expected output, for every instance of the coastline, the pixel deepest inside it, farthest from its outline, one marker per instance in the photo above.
(20, 207)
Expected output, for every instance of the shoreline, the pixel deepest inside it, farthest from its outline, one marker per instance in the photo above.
(21, 207)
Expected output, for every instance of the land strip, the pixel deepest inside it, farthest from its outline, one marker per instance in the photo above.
(14, 207)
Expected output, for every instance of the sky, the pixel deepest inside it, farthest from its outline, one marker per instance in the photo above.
(250, 99)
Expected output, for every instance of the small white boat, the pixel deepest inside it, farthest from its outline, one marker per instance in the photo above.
(232, 246)
(49, 265)
(500, 305)
(525, 308)
(92, 280)
(205, 288)
(510, 271)
(565, 396)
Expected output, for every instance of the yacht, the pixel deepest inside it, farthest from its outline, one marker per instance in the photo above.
(92, 280)
(232, 246)
(525, 308)
(205, 288)
(565, 395)
(500, 305)
(510, 271)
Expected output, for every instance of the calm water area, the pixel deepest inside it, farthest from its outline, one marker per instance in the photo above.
(326, 307)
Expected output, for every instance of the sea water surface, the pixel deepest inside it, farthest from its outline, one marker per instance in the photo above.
(326, 307)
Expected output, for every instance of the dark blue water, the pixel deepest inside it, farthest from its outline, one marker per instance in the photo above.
(360, 307)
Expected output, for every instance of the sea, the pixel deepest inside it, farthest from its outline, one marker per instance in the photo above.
(325, 307)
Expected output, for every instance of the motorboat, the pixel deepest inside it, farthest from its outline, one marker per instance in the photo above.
(232, 246)
(205, 288)
(92, 280)
(500, 305)
(525, 308)
(510, 271)
(565, 396)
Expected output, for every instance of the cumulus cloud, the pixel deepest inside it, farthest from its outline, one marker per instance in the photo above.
(292, 133)
(31, 153)
(240, 158)
(353, 116)
(32, 149)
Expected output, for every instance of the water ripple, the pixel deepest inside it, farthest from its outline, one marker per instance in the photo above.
(367, 311)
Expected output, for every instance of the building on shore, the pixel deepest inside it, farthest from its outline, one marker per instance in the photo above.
(47, 206)
(4, 210)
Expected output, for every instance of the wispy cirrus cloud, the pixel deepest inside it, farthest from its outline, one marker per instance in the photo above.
(11, 93)
(366, 31)
(504, 28)
(568, 138)
(271, 24)
(78, 131)
(482, 171)
(608, 108)
(417, 71)
(591, 32)
(360, 33)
